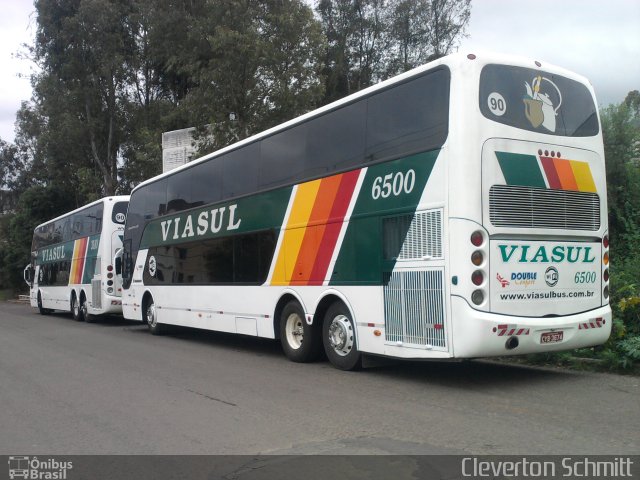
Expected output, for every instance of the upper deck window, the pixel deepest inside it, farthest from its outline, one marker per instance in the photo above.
(537, 101)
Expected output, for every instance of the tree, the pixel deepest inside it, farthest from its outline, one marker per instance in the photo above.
(36, 205)
(621, 132)
(83, 48)
(371, 40)
(356, 39)
(254, 64)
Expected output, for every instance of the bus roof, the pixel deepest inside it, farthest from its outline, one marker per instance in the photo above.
(114, 198)
(452, 60)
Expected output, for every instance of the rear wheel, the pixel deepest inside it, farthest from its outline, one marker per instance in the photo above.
(339, 338)
(301, 342)
(84, 309)
(76, 311)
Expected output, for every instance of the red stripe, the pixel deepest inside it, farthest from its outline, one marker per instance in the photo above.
(334, 225)
(79, 260)
(552, 174)
(321, 210)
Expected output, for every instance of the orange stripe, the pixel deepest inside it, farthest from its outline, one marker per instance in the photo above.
(565, 173)
(294, 232)
(77, 265)
(314, 232)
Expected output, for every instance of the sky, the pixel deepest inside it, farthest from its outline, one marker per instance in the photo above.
(599, 39)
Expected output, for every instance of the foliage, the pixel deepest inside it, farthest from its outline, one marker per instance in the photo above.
(371, 40)
(114, 74)
(18, 228)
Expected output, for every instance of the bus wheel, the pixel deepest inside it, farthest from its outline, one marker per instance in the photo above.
(151, 317)
(300, 341)
(84, 312)
(76, 311)
(339, 338)
(41, 309)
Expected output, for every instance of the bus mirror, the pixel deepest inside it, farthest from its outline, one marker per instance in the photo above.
(118, 261)
(28, 275)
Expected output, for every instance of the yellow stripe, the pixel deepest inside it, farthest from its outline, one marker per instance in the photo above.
(294, 233)
(584, 179)
(74, 263)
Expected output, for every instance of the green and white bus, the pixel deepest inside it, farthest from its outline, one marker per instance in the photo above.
(457, 210)
(72, 255)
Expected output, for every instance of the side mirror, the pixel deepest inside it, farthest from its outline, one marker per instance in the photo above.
(118, 261)
(27, 274)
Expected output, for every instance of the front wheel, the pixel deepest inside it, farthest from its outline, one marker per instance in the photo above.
(151, 317)
(339, 338)
(300, 341)
(41, 309)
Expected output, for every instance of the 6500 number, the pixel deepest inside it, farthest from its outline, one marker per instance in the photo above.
(585, 277)
(393, 184)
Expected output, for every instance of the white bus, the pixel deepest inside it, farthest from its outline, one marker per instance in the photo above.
(458, 210)
(71, 265)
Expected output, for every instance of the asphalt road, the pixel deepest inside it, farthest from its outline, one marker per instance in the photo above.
(111, 388)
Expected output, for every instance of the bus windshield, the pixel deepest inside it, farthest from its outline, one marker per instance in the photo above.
(537, 101)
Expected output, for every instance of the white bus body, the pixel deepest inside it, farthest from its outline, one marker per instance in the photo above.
(483, 234)
(72, 260)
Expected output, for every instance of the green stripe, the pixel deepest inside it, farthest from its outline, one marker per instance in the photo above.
(91, 258)
(360, 260)
(248, 214)
(520, 169)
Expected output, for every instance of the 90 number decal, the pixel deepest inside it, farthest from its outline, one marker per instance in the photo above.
(393, 184)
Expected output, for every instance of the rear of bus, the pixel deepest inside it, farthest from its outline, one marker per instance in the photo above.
(106, 284)
(528, 230)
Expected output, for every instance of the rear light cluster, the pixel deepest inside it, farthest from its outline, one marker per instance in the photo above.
(110, 279)
(479, 261)
(605, 267)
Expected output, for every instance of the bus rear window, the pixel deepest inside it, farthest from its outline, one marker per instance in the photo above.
(537, 101)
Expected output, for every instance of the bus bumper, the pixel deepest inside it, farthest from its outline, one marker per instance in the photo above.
(483, 334)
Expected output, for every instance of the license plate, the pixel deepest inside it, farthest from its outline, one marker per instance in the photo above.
(551, 337)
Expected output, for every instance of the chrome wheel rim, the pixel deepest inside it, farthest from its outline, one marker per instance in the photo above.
(75, 307)
(151, 315)
(294, 331)
(341, 338)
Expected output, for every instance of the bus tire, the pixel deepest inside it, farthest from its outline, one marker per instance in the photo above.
(339, 338)
(76, 311)
(151, 317)
(84, 312)
(301, 342)
(41, 309)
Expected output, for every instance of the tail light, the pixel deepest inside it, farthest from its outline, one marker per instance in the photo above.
(478, 259)
(605, 267)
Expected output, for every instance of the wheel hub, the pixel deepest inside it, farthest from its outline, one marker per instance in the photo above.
(151, 315)
(294, 330)
(341, 335)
